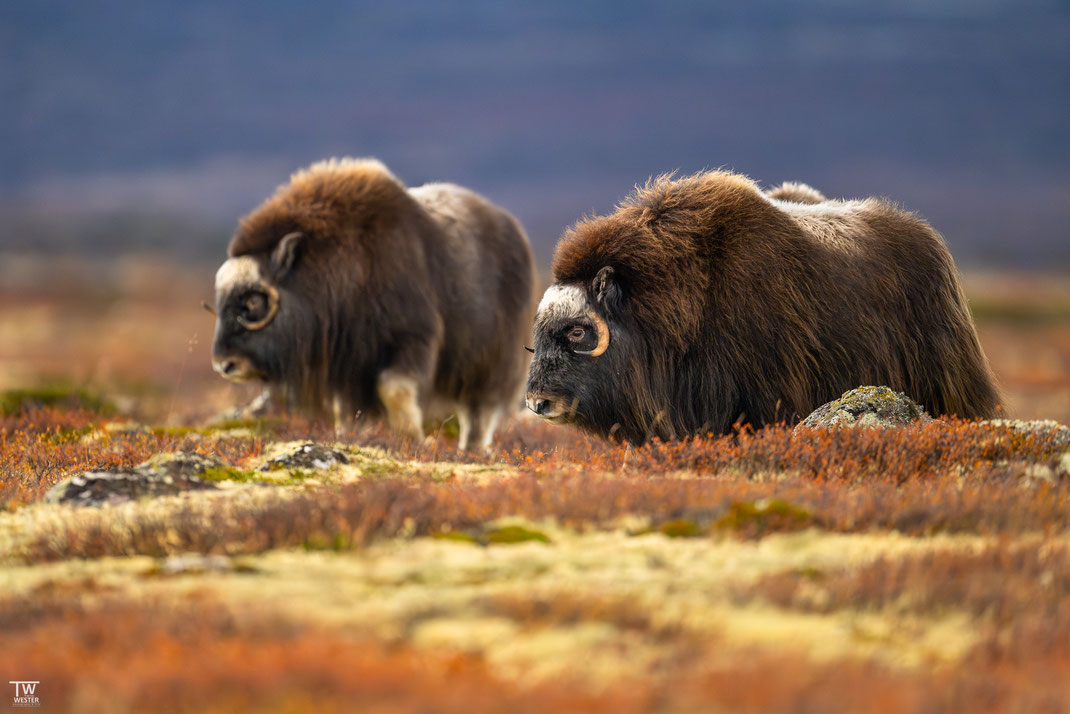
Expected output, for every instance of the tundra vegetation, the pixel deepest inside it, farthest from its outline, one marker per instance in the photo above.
(915, 569)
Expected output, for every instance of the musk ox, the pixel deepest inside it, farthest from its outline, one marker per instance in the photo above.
(350, 292)
(702, 303)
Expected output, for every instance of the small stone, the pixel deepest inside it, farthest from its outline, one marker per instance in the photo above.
(307, 456)
(1041, 427)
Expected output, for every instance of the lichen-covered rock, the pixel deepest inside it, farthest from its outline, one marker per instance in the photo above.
(161, 475)
(1059, 433)
(307, 456)
(876, 407)
(180, 464)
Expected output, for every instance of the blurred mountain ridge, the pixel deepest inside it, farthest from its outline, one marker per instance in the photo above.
(197, 110)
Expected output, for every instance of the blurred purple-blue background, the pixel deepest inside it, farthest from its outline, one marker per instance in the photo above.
(152, 126)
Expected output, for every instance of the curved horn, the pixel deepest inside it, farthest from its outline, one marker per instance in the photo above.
(273, 307)
(603, 336)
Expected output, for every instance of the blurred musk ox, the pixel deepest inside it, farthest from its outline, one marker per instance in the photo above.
(702, 303)
(348, 292)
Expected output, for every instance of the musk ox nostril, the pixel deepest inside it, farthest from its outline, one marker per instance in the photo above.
(225, 367)
(539, 406)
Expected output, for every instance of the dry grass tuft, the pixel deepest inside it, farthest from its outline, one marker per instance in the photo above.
(1004, 583)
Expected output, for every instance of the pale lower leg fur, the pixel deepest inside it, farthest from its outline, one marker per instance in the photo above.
(398, 394)
(464, 428)
(484, 422)
(338, 411)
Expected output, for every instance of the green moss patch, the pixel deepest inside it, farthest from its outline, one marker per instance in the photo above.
(759, 517)
(459, 536)
(336, 542)
(680, 528)
(16, 401)
(514, 534)
(229, 473)
(257, 427)
(501, 535)
(66, 436)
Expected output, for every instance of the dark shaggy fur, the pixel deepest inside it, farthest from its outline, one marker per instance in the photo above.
(727, 307)
(385, 289)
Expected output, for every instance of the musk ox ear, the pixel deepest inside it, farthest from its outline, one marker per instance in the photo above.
(286, 253)
(606, 288)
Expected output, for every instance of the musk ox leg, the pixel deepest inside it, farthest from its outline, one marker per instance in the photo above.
(464, 428)
(483, 423)
(345, 419)
(398, 393)
(261, 405)
(338, 412)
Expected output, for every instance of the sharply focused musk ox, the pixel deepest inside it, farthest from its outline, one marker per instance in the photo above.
(702, 303)
(347, 291)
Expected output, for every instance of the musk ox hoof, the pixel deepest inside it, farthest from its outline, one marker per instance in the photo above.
(162, 475)
(264, 405)
(876, 407)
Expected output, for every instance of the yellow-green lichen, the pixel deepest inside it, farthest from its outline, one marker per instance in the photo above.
(764, 515)
(680, 528)
(229, 473)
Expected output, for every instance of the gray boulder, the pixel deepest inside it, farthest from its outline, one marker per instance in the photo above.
(874, 407)
(162, 475)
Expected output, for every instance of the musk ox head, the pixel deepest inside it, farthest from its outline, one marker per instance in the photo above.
(262, 323)
(291, 299)
(585, 370)
(640, 273)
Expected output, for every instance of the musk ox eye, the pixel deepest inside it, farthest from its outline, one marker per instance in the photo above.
(576, 334)
(254, 306)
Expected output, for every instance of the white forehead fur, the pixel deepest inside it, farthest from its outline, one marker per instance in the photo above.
(243, 270)
(563, 302)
